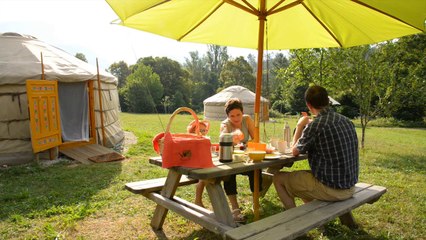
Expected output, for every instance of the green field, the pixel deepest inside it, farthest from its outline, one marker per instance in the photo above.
(68, 200)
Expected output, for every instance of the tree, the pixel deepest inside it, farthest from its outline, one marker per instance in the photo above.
(81, 56)
(166, 103)
(278, 62)
(121, 71)
(406, 61)
(361, 73)
(385, 79)
(195, 67)
(142, 90)
(252, 60)
(203, 73)
(296, 78)
(177, 101)
(217, 57)
(198, 80)
(238, 72)
(172, 77)
(266, 72)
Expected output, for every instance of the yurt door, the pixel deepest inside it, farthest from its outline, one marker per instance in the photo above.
(44, 114)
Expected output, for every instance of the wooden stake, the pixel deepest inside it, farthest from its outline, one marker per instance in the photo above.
(100, 104)
(42, 66)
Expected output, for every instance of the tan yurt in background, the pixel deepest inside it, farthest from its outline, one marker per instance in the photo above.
(77, 92)
(214, 106)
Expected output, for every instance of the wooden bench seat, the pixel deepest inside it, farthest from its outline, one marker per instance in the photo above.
(154, 185)
(298, 221)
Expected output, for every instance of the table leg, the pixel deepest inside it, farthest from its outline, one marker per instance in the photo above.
(256, 194)
(168, 191)
(267, 179)
(219, 202)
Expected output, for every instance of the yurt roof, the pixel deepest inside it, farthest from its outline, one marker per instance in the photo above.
(245, 95)
(20, 59)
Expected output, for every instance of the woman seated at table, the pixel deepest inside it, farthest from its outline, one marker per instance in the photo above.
(242, 128)
(204, 129)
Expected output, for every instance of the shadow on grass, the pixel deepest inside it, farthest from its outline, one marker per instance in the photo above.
(203, 234)
(32, 191)
(335, 230)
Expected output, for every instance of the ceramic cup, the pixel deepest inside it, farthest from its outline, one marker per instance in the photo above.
(282, 146)
(213, 151)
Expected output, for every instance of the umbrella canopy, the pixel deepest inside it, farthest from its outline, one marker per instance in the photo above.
(290, 24)
(274, 24)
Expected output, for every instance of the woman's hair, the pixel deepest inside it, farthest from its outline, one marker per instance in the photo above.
(317, 97)
(233, 103)
(191, 126)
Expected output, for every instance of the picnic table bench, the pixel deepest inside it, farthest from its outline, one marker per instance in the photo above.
(154, 185)
(297, 221)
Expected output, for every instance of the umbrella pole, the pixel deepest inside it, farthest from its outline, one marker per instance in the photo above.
(257, 175)
(258, 83)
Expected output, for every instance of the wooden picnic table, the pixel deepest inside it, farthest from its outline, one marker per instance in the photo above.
(220, 219)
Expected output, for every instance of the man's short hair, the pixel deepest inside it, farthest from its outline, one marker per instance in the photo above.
(317, 97)
(233, 103)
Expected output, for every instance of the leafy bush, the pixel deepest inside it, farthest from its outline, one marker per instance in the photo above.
(410, 113)
(278, 107)
(392, 122)
(275, 114)
(348, 111)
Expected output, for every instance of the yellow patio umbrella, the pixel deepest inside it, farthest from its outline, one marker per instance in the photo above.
(291, 24)
(282, 24)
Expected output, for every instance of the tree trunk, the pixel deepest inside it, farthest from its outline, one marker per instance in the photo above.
(363, 136)
(363, 127)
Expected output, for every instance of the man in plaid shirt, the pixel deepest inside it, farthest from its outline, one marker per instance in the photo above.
(332, 146)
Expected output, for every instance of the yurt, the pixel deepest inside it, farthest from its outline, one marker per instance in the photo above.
(80, 105)
(214, 106)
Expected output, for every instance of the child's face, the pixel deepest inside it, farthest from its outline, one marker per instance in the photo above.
(203, 129)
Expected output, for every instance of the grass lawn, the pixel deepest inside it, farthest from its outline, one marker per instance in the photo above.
(75, 201)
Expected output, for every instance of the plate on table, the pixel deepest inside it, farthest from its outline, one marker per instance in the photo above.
(239, 152)
(272, 156)
(287, 151)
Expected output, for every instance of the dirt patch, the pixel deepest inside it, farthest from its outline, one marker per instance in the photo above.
(129, 140)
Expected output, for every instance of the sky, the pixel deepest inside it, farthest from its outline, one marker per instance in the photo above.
(84, 26)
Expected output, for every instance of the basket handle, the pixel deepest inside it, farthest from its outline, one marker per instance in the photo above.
(185, 109)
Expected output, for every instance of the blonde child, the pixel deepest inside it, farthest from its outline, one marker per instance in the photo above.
(204, 129)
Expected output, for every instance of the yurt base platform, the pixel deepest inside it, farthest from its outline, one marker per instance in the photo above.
(91, 153)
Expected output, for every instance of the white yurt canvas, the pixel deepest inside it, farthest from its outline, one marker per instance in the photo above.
(214, 106)
(20, 60)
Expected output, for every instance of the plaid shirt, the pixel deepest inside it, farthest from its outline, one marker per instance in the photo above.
(332, 146)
